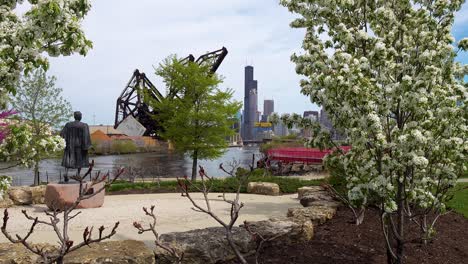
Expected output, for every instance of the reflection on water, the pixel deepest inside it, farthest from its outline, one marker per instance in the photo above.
(154, 164)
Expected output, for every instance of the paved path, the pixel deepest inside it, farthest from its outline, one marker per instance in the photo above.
(462, 180)
(174, 214)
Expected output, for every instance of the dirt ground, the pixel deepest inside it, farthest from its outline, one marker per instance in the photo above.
(340, 241)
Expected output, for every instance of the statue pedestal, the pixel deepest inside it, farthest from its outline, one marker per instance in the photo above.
(62, 195)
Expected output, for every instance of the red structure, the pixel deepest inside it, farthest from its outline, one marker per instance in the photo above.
(307, 155)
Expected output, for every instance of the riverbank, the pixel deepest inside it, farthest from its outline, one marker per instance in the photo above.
(152, 165)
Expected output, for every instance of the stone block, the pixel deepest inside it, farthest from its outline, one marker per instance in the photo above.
(308, 189)
(316, 214)
(115, 252)
(38, 194)
(266, 188)
(6, 202)
(20, 195)
(296, 167)
(203, 246)
(287, 230)
(60, 196)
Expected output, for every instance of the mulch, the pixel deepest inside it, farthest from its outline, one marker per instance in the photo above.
(341, 241)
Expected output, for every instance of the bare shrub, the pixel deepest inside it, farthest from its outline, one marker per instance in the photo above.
(66, 246)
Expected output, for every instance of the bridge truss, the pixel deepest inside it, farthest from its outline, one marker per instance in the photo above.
(132, 100)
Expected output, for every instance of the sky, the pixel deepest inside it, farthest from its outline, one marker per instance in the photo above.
(139, 34)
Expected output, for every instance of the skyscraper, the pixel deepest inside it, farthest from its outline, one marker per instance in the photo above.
(268, 109)
(250, 104)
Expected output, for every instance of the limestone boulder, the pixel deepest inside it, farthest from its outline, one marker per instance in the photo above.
(286, 230)
(38, 194)
(286, 169)
(20, 195)
(115, 252)
(266, 188)
(18, 254)
(308, 190)
(296, 167)
(318, 198)
(306, 168)
(204, 246)
(6, 202)
(316, 214)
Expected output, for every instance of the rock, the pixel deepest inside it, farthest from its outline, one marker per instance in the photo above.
(59, 196)
(115, 252)
(317, 214)
(38, 194)
(308, 189)
(296, 167)
(18, 254)
(6, 202)
(204, 246)
(293, 231)
(310, 198)
(20, 195)
(307, 202)
(286, 169)
(306, 168)
(266, 188)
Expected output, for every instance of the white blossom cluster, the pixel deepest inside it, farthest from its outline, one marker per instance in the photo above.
(50, 26)
(20, 148)
(386, 74)
(5, 183)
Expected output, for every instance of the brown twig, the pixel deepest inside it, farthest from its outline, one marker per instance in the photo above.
(236, 206)
(152, 228)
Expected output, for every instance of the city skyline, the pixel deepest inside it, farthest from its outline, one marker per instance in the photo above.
(257, 32)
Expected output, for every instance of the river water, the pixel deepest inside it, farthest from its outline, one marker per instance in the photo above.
(152, 165)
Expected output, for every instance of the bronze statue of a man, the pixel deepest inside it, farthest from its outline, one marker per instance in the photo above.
(78, 142)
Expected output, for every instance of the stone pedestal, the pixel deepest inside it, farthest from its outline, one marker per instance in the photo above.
(60, 196)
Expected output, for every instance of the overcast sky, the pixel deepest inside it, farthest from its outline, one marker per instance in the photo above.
(139, 34)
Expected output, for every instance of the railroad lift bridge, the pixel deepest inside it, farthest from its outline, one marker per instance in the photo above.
(131, 104)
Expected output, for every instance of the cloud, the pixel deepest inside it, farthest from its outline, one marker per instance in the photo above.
(140, 34)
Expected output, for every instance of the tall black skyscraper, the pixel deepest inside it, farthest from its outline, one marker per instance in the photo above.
(250, 104)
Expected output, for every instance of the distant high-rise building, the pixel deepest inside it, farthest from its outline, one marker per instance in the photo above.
(268, 109)
(326, 123)
(313, 115)
(250, 104)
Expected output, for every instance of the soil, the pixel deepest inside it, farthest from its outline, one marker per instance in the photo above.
(341, 241)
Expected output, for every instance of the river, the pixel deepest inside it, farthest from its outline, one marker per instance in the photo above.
(152, 165)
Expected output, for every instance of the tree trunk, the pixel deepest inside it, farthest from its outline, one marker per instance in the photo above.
(400, 224)
(194, 165)
(36, 175)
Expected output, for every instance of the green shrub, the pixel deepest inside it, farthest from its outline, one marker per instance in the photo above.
(123, 146)
(287, 185)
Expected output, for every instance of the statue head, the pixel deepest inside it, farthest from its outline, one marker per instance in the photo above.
(77, 115)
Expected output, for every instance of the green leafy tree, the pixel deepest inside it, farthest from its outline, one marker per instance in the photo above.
(385, 72)
(40, 103)
(199, 119)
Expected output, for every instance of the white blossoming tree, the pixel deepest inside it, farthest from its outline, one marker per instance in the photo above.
(385, 73)
(51, 27)
(40, 103)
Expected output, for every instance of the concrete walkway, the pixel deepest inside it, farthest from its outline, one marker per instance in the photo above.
(173, 211)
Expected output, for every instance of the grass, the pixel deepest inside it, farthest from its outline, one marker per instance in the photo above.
(287, 185)
(459, 203)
